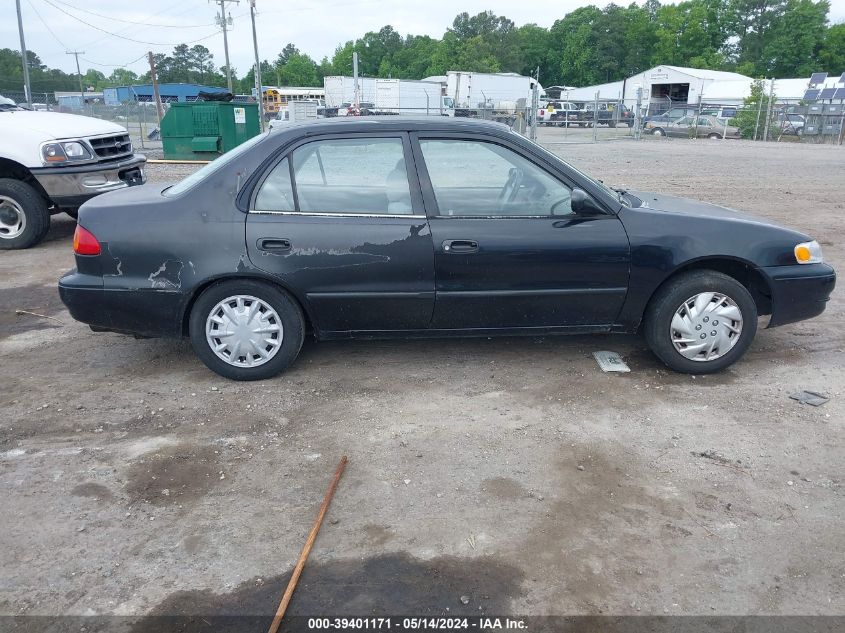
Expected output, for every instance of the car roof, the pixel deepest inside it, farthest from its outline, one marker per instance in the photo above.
(396, 124)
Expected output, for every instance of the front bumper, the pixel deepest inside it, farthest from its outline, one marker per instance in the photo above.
(69, 187)
(799, 292)
(144, 312)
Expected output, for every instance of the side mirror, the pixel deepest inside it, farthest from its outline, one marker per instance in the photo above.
(581, 202)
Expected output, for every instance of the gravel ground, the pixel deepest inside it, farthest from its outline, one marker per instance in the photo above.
(485, 476)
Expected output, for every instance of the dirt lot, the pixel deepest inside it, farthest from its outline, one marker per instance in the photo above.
(505, 476)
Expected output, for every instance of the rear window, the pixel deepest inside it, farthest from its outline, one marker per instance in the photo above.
(212, 167)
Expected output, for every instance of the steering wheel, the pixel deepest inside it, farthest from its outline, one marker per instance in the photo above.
(511, 187)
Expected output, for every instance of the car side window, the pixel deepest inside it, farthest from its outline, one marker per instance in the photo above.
(276, 193)
(477, 178)
(365, 175)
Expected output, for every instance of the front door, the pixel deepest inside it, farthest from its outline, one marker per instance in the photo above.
(509, 252)
(340, 222)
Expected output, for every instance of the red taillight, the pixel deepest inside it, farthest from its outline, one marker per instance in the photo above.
(84, 242)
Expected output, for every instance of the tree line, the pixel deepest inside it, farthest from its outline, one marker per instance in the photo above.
(759, 38)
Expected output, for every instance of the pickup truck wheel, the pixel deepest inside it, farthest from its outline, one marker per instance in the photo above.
(24, 217)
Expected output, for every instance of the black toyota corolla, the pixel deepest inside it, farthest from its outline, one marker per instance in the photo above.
(426, 227)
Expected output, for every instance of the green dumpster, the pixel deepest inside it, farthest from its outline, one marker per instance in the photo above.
(203, 130)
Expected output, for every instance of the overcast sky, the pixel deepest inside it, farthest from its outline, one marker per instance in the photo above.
(315, 26)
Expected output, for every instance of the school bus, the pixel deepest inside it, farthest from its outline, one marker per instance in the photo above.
(277, 98)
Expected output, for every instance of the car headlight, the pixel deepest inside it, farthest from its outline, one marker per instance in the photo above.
(64, 151)
(808, 253)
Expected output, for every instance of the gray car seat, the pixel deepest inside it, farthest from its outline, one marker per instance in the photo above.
(398, 193)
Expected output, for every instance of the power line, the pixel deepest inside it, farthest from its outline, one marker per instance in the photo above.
(135, 22)
(137, 59)
(47, 26)
(78, 19)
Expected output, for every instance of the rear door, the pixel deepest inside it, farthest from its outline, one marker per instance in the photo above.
(509, 251)
(340, 221)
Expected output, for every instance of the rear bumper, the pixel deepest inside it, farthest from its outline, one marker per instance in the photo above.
(71, 186)
(143, 312)
(799, 292)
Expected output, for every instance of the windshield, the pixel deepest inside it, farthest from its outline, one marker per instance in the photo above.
(212, 167)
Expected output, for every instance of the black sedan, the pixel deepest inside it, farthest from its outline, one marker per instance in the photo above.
(426, 227)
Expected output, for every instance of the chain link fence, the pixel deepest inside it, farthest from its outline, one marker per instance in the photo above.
(554, 121)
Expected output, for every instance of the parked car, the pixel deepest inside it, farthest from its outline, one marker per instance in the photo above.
(51, 163)
(425, 227)
(609, 113)
(560, 113)
(791, 124)
(282, 118)
(694, 126)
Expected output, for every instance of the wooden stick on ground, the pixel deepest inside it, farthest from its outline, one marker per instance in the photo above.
(297, 571)
(43, 316)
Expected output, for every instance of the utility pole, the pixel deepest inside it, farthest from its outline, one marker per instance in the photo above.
(223, 22)
(357, 95)
(155, 87)
(76, 54)
(26, 87)
(258, 91)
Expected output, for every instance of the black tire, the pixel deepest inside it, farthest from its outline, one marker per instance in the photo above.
(292, 322)
(672, 295)
(35, 212)
(658, 131)
(714, 136)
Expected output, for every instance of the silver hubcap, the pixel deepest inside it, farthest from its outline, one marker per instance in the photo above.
(12, 218)
(244, 331)
(706, 326)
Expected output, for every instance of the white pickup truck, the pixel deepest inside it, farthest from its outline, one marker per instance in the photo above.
(51, 163)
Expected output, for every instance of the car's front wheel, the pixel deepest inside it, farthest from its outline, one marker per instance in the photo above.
(246, 329)
(701, 322)
(658, 132)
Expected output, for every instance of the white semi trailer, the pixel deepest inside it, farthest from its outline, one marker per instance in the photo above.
(474, 93)
(386, 96)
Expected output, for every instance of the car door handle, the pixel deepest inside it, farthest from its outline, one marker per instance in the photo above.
(273, 244)
(460, 246)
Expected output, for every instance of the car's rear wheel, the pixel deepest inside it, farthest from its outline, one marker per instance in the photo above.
(701, 322)
(714, 136)
(24, 217)
(246, 330)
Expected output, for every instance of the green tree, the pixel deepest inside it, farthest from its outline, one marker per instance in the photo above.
(122, 77)
(200, 62)
(300, 70)
(794, 40)
(832, 52)
(751, 120)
